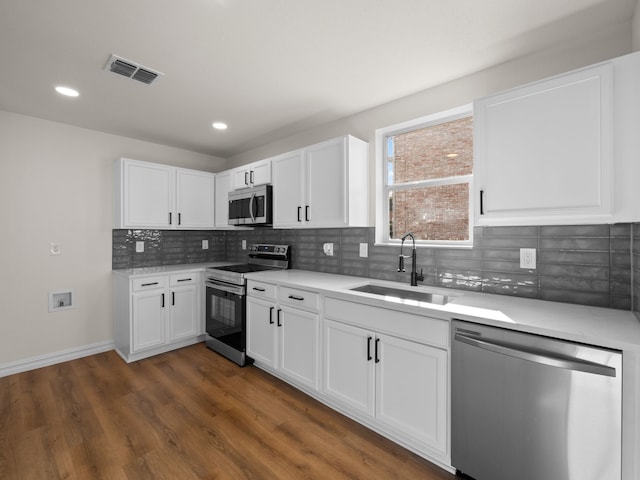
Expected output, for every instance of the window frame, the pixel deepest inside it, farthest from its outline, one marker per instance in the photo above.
(383, 188)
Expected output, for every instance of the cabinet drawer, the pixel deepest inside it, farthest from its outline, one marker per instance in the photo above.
(299, 298)
(148, 283)
(178, 279)
(427, 330)
(261, 290)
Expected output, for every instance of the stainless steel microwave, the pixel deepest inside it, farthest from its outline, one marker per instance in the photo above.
(251, 206)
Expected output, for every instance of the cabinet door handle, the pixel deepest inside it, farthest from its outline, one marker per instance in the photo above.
(179, 218)
(148, 284)
(376, 354)
(184, 279)
(173, 298)
(306, 213)
(481, 202)
(295, 297)
(245, 178)
(163, 300)
(251, 176)
(299, 209)
(259, 289)
(271, 315)
(369, 348)
(278, 317)
(170, 220)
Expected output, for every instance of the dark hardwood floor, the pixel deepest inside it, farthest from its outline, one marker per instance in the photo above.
(186, 414)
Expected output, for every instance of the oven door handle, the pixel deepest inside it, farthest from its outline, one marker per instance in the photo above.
(225, 287)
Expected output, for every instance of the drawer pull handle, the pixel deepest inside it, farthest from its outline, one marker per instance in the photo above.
(148, 284)
(184, 279)
(258, 289)
(295, 297)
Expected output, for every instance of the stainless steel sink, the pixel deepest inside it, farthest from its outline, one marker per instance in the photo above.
(399, 293)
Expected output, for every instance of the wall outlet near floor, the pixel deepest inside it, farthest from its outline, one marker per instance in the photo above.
(528, 258)
(205, 244)
(364, 250)
(139, 247)
(327, 248)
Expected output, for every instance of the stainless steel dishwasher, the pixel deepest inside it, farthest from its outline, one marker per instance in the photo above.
(533, 408)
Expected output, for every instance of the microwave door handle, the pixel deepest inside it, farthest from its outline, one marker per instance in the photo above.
(253, 218)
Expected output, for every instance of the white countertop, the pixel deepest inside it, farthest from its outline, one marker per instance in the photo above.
(185, 267)
(607, 327)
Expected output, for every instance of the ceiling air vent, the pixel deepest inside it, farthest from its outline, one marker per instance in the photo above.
(131, 70)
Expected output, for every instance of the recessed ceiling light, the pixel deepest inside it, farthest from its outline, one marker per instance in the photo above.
(67, 92)
(219, 125)
(452, 155)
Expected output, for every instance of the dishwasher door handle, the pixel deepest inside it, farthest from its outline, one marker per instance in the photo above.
(543, 357)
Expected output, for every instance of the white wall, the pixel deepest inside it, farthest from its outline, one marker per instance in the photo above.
(635, 25)
(56, 186)
(606, 44)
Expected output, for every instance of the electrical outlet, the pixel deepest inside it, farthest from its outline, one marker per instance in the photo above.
(244, 244)
(364, 250)
(139, 247)
(54, 249)
(327, 248)
(205, 244)
(528, 258)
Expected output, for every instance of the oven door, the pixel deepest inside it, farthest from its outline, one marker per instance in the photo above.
(225, 314)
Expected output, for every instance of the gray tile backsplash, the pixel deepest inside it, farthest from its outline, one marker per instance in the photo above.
(586, 264)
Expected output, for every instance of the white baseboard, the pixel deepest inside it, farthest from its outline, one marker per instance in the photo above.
(55, 357)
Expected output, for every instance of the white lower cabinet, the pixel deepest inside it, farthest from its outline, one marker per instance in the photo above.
(385, 368)
(157, 314)
(283, 338)
(403, 384)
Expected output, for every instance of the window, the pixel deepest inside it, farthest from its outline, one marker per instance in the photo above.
(425, 170)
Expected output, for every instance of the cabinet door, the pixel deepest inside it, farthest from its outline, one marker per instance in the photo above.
(183, 319)
(195, 199)
(148, 322)
(544, 152)
(240, 178)
(299, 345)
(222, 189)
(148, 195)
(411, 390)
(325, 181)
(348, 365)
(261, 332)
(287, 175)
(260, 173)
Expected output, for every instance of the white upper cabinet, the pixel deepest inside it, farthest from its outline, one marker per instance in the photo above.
(251, 175)
(324, 185)
(194, 199)
(544, 152)
(150, 195)
(223, 187)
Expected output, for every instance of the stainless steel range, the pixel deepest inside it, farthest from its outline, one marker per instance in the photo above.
(226, 299)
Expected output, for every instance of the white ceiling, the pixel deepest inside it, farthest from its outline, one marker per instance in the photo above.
(269, 68)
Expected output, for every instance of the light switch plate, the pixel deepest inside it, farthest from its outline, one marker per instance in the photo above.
(139, 247)
(528, 258)
(205, 244)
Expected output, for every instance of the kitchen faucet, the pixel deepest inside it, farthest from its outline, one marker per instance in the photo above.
(414, 275)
